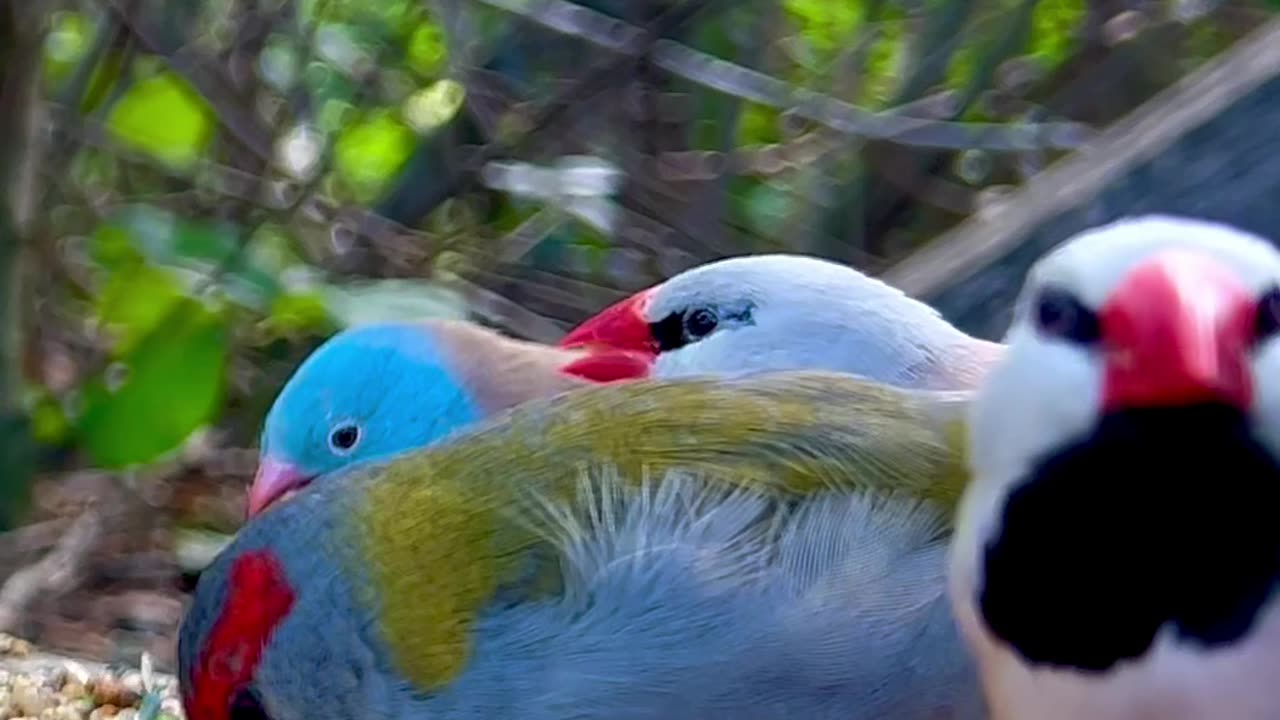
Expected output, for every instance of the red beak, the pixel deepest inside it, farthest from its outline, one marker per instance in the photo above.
(272, 481)
(1178, 330)
(621, 326)
(604, 366)
(618, 341)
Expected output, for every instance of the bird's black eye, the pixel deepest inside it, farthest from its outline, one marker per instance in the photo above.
(1266, 323)
(344, 437)
(1060, 315)
(246, 706)
(700, 322)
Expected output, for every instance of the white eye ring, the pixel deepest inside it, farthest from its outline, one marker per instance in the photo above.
(344, 437)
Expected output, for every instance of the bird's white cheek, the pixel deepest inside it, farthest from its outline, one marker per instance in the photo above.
(685, 362)
(725, 354)
(1041, 396)
(1266, 378)
(977, 517)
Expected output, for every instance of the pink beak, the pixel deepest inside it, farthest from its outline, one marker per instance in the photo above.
(273, 481)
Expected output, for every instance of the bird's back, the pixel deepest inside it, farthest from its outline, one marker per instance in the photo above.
(689, 600)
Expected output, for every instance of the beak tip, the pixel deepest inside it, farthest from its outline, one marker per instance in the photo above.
(272, 482)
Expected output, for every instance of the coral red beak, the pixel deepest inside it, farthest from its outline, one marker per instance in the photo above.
(618, 341)
(621, 326)
(1178, 330)
(272, 482)
(603, 365)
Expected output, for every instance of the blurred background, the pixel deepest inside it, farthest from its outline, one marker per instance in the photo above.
(193, 195)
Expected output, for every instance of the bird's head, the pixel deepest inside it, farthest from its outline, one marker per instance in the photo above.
(377, 390)
(1149, 312)
(765, 313)
(366, 393)
(1120, 445)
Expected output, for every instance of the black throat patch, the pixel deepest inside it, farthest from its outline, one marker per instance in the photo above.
(1159, 516)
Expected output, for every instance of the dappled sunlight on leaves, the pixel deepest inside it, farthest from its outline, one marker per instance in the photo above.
(435, 105)
(369, 153)
(163, 117)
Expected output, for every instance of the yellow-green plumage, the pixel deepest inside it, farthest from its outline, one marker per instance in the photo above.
(442, 530)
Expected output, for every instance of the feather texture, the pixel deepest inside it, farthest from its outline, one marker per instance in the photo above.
(605, 594)
(432, 523)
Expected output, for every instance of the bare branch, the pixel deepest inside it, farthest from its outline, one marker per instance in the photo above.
(55, 573)
(748, 84)
(499, 310)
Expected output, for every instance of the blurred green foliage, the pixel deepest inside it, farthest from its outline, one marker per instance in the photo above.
(371, 151)
(166, 384)
(165, 118)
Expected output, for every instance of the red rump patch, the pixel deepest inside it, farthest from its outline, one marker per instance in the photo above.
(605, 367)
(258, 598)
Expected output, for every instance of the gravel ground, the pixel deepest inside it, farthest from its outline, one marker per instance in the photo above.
(40, 686)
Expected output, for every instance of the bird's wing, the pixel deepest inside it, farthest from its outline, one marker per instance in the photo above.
(713, 599)
(443, 532)
(796, 432)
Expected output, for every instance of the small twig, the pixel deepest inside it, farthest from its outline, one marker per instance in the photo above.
(629, 42)
(745, 83)
(21, 543)
(55, 573)
(503, 311)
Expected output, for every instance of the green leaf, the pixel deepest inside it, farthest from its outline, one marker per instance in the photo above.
(427, 51)
(767, 209)
(368, 154)
(758, 125)
(112, 247)
(134, 301)
(1055, 24)
(393, 300)
(170, 384)
(300, 313)
(48, 421)
(199, 248)
(164, 117)
(68, 40)
(826, 24)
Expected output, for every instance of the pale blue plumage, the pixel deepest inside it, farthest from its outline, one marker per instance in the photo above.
(393, 382)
